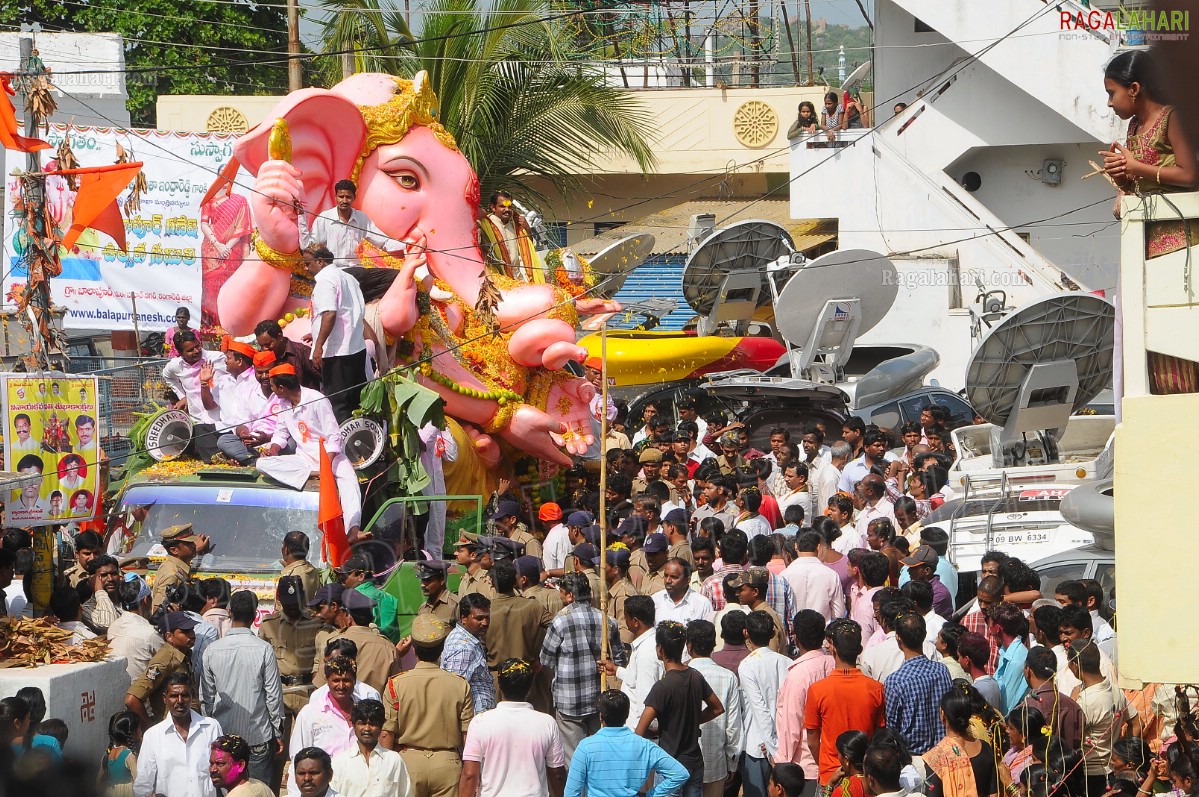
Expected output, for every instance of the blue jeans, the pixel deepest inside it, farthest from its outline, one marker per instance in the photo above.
(755, 775)
(694, 787)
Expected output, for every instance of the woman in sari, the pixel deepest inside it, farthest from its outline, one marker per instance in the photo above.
(1156, 159)
(225, 225)
(961, 765)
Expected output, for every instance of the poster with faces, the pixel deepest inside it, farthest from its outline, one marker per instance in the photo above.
(50, 439)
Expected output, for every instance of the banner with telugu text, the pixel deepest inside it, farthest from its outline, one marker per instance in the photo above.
(50, 436)
(170, 263)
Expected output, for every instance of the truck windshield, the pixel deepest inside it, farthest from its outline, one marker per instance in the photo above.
(245, 522)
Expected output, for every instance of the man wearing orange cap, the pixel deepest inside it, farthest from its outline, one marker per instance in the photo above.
(306, 419)
(233, 392)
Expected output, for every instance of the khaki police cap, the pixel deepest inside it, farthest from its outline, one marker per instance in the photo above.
(427, 630)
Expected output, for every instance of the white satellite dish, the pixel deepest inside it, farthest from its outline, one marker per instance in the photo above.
(168, 435)
(1037, 367)
(727, 278)
(828, 303)
(362, 442)
(856, 76)
(613, 264)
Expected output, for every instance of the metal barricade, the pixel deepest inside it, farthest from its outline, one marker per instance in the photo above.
(127, 386)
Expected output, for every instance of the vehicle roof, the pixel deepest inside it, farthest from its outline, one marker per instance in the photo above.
(1086, 552)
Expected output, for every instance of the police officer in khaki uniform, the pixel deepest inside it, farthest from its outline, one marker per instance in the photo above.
(656, 550)
(295, 562)
(620, 588)
(292, 634)
(325, 606)
(518, 623)
(377, 657)
(528, 581)
(439, 601)
(145, 695)
(586, 556)
(474, 552)
(507, 523)
(675, 526)
(422, 705)
(183, 547)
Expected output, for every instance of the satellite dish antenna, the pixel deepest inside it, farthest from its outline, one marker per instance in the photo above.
(1037, 367)
(362, 442)
(726, 279)
(613, 264)
(828, 303)
(168, 435)
(856, 76)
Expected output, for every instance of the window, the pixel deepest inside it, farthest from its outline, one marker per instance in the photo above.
(887, 416)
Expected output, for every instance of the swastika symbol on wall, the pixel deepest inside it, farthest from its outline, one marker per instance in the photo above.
(87, 706)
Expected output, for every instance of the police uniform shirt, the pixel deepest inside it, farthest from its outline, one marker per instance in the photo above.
(444, 607)
(550, 599)
(478, 581)
(618, 593)
(420, 704)
(148, 688)
(294, 642)
(532, 544)
(638, 569)
(309, 576)
(682, 550)
(653, 583)
(517, 629)
(172, 571)
(376, 657)
(76, 575)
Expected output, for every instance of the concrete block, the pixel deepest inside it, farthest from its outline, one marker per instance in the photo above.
(83, 696)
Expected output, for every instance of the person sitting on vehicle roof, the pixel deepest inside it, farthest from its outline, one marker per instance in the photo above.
(234, 391)
(306, 418)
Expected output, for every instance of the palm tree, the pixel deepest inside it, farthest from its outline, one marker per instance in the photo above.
(514, 93)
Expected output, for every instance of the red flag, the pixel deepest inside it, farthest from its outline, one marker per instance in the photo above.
(223, 181)
(96, 201)
(334, 543)
(9, 137)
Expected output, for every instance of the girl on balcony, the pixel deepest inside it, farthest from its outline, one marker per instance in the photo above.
(1156, 159)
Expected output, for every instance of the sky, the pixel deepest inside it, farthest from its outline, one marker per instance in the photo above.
(836, 12)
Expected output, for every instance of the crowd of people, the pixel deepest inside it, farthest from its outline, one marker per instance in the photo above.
(761, 623)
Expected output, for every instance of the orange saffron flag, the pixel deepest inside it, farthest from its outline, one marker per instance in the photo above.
(96, 201)
(9, 135)
(334, 543)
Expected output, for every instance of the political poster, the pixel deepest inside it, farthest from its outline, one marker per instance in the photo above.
(50, 438)
(178, 253)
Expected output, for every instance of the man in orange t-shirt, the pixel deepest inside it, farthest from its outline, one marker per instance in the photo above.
(845, 700)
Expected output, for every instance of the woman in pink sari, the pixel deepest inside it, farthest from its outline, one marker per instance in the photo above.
(225, 225)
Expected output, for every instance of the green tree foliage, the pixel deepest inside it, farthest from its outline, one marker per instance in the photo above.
(194, 47)
(511, 90)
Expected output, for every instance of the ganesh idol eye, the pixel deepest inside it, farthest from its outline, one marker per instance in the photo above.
(407, 180)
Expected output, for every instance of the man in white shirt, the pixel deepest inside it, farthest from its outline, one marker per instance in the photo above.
(815, 585)
(236, 401)
(173, 759)
(678, 602)
(342, 228)
(799, 491)
(192, 376)
(720, 739)
(513, 750)
(644, 668)
(306, 419)
(828, 477)
(338, 345)
(872, 495)
(557, 539)
(366, 769)
(131, 635)
(24, 443)
(762, 674)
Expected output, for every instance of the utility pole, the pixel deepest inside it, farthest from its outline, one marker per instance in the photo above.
(295, 73)
(807, 12)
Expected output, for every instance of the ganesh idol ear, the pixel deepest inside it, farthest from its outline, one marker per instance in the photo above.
(327, 133)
